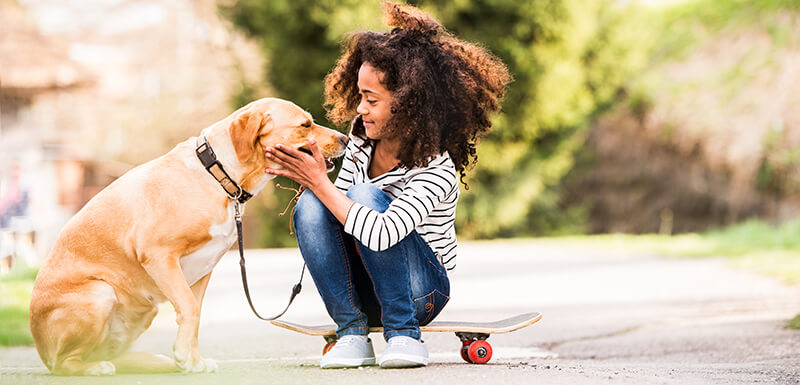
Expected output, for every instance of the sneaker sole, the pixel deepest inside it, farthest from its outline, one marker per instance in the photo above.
(403, 361)
(345, 363)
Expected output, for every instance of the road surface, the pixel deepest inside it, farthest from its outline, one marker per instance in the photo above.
(609, 317)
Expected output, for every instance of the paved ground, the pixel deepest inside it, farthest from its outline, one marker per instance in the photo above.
(608, 318)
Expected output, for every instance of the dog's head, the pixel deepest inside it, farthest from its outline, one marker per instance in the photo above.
(270, 121)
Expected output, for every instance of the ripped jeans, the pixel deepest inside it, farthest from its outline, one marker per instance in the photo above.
(400, 288)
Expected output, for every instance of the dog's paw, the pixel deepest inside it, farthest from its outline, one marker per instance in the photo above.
(199, 365)
(102, 368)
(210, 365)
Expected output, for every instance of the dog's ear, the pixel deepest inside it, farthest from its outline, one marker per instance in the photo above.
(245, 131)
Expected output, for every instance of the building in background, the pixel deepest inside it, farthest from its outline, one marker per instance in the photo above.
(90, 88)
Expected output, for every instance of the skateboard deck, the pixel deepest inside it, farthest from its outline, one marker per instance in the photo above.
(473, 335)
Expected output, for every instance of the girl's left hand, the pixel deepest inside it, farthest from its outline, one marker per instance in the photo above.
(310, 171)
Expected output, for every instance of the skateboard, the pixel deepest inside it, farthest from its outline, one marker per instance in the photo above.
(473, 335)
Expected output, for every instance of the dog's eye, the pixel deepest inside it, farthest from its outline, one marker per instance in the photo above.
(306, 124)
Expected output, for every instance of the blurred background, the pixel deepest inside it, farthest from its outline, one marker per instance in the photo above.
(668, 117)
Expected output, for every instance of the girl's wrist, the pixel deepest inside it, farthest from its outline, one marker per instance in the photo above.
(319, 183)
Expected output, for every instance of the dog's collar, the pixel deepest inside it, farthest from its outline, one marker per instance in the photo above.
(206, 155)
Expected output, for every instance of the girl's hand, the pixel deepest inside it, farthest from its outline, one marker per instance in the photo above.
(310, 171)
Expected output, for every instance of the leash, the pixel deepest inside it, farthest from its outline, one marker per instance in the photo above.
(239, 196)
(295, 290)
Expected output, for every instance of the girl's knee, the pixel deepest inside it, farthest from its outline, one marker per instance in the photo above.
(309, 209)
(369, 195)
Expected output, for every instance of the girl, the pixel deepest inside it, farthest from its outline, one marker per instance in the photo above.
(380, 240)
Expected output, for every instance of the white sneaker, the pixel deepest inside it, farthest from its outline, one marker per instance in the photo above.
(404, 352)
(349, 352)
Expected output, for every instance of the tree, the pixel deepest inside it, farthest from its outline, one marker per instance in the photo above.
(569, 58)
(300, 39)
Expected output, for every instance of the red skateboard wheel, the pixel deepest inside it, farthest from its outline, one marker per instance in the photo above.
(479, 352)
(327, 347)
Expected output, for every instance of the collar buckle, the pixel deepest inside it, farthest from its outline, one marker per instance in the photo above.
(206, 155)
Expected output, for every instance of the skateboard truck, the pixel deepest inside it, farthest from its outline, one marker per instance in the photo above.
(330, 340)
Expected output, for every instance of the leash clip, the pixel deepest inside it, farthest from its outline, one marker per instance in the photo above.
(237, 210)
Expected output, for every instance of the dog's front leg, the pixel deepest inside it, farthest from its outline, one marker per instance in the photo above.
(168, 276)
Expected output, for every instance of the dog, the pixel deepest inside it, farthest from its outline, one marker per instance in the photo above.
(154, 235)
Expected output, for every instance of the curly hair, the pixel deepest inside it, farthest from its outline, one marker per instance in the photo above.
(443, 89)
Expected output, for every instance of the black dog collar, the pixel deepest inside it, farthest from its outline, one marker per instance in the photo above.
(206, 155)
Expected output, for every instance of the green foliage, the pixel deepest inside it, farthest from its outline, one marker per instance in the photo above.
(301, 40)
(779, 172)
(683, 26)
(569, 58)
(794, 323)
(753, 236)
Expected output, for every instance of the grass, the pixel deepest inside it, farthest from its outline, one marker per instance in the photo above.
(794, 323)
(15, 295)
(753, 244)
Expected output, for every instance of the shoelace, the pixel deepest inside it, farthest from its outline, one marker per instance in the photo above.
(348, 340)
(401, 341)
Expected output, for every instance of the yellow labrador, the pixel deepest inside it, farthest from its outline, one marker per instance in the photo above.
(153, 235)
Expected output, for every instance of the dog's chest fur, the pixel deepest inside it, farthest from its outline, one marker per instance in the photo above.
(196, 265)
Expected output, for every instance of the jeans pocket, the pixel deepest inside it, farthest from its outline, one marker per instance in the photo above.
(429, 306)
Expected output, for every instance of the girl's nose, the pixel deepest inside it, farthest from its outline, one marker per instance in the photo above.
(361, 109)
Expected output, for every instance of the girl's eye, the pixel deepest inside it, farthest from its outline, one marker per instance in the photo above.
(371, 102)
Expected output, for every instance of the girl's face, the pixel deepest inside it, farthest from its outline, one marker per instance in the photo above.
(376, 101)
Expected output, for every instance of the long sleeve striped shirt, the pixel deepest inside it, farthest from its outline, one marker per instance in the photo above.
(423, 199)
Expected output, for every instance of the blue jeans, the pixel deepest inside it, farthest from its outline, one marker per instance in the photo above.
(400, 288)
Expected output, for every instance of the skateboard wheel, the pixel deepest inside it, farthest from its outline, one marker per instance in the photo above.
(479, 352)
(327, 347)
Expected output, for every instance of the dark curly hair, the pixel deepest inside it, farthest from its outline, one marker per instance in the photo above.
(444, 89)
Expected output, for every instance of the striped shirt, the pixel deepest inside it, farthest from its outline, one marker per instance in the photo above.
(423, 199)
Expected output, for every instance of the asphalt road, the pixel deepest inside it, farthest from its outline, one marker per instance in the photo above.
(609, 317)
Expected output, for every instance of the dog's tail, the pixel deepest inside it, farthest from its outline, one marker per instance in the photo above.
(136, 362)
